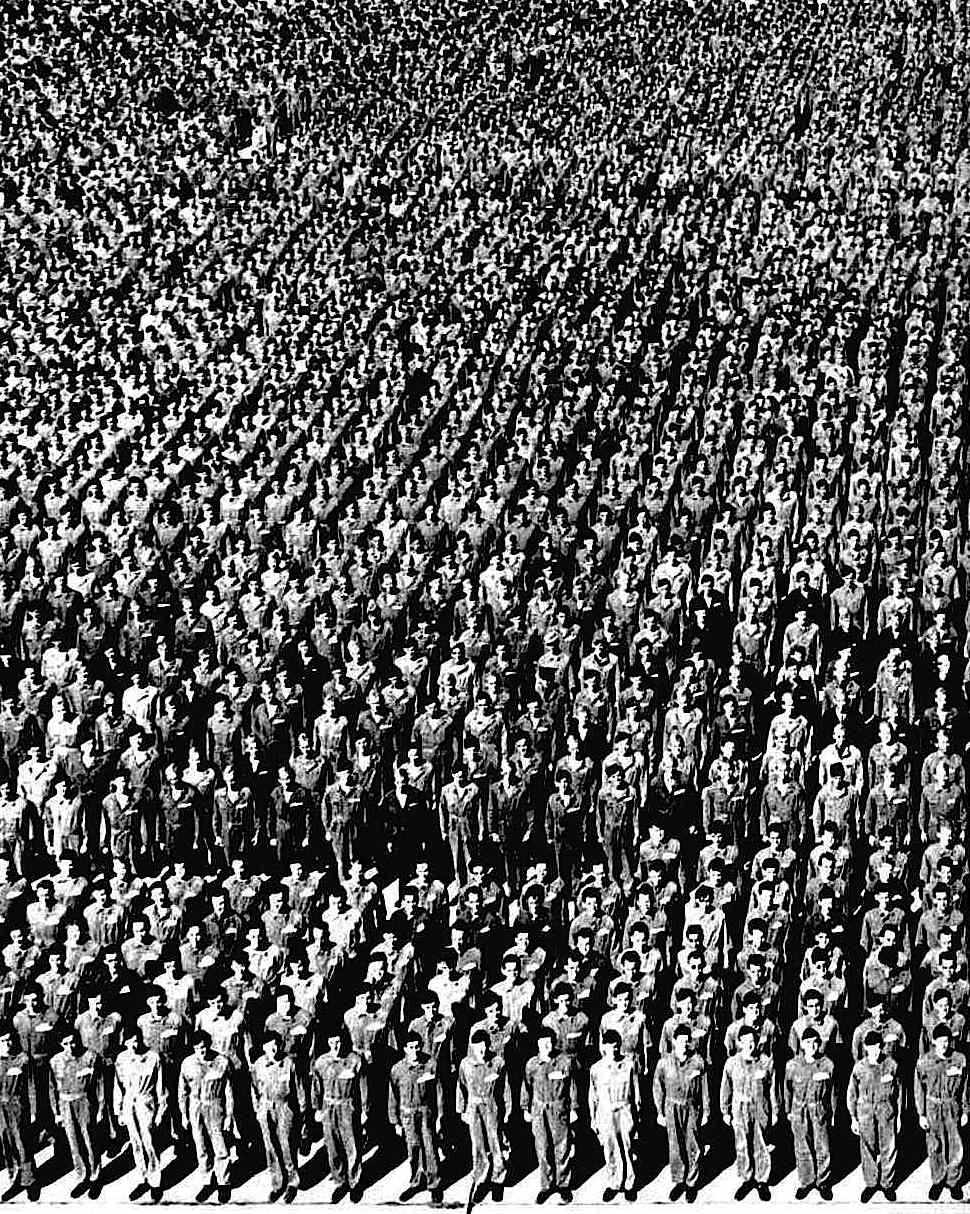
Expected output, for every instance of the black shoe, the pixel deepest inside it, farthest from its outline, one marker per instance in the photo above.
(290, 1195)
(630, 1194)
(543, 1196)
(609, 1194)
(677, 1191)
(690, 1194)
(437, 1198)
(498, 1192)
(889, 1194)
(157, 1193)
(956, 1192)
(936, 1192)
(355, 1195)
(565, 1196)
(12, 1192)
(803, 1192)
(275, 1195)
(868, 1193)
(411, 1191)
(825, 1192)
(206, 1191)
(33, 1192)
(94, 1190)
(82, 1187)
(224, 1194)
(480, 1193)
(744, 1190)
(339, 1193)
(764, 1192)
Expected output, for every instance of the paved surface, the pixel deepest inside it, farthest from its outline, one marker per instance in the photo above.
(384, 1184)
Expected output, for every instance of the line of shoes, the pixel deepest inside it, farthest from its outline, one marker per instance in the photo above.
(936, 1191)
(416, 1187)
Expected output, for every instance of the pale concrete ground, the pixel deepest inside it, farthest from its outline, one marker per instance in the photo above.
(384, 1186)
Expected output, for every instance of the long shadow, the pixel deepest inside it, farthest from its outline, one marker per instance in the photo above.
(180, 1166)
(315, 1169)
(587, 1157)
(119, 1166)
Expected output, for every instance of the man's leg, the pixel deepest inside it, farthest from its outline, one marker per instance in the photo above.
(496, 1149)
(935, 1152)
(560, 1134)
(432, 1156)
(742, 1148)
(761, 1154)
(887, 1151)
(212, 1118)
(823, 1151)
(284, 1140)
(954, 1152)
(335, 1157)
(350, 1138)
(268, 1129)
(676, 1147)
(870, 1141)
(624, 1124)
(72, 1133)
(541, 1134)
(203, 1147)
(479, 1137)
(693, 1152)
(804, 1161)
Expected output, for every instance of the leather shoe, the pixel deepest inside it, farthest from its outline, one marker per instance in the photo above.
(630, 1194)
(764, 1192)
(690, 1194)
(609, 1194)
(33, 1192)
(677, 1191)
(743, 1190)
(543, 1196)
(956, 1192)
(224, 1193)
(825, 1192)
(867, 1194)
(157, 1194)
(355, 1195)
(80, 1188)
(203, 1194)
(498, 1192)
(565, 1196)
(936, 1192)
(889, 1194)
(290, 1195)
(437, 1199)
(480, 1193)
(275, 1195)
(94, 1189)
(12, 1191)
(803, 1192)
(339, 1193)
(411, 1191)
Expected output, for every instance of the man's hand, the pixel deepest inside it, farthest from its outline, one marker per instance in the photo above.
(854, 1125)
(727, 1120)
(661, 1121)
(924, 1124)
(526, 1117)
(399, 1131)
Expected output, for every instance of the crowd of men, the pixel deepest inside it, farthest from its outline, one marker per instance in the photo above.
(484, 590)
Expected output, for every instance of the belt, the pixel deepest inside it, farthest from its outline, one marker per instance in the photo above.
(335, 1101)
(73, 1096)
(414, 1108)
(943, 1100)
